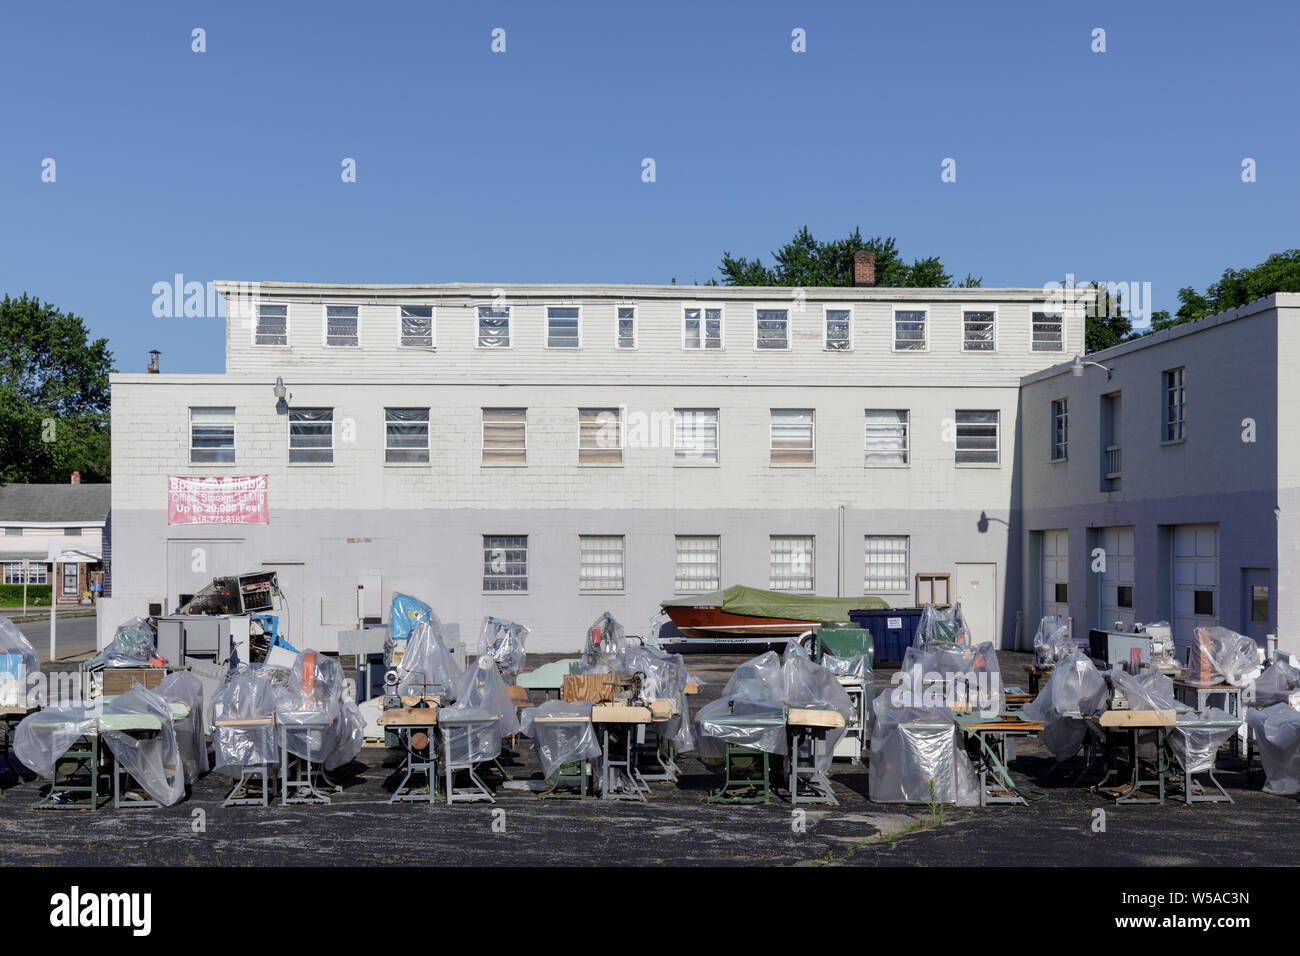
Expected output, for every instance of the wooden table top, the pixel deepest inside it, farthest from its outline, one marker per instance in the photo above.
(409, 717)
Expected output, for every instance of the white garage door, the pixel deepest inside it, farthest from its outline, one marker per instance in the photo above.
(1196, 579)
(1116, 604)
(1055, 573)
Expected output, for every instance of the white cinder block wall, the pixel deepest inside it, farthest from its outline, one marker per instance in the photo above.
(421, 527)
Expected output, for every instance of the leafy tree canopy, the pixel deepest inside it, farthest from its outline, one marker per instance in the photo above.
(54, 395)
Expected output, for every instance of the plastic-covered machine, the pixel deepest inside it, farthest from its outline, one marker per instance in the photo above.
(426, 667)
(809, 685)
(942, 625)
(45, 736)
(154, 759)
(663, 676)
(504, 641)
(1277, 734)
(916, 756)
(183, 687)
(403, 614)
(1075, 690)
(1052, 641)
(603, 651)
(1279, 683)
(133, 645)
(19, 665)
(564, 741)
(1220, 656)
(245, 695)
(484, 707)
(953, 676)
(324, 723)
(750, 712)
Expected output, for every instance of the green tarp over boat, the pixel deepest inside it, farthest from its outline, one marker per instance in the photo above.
(754, 602)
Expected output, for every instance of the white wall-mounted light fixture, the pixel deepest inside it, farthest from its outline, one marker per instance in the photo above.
(279, 389)
(1076, 369)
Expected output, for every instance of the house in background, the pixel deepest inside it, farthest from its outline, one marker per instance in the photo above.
(73, 517)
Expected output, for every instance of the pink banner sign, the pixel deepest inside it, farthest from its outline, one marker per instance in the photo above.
(217, 500)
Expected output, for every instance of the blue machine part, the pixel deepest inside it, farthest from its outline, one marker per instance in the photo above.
(404, 614)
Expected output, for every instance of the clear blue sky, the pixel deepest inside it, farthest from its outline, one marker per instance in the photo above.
(526, 166)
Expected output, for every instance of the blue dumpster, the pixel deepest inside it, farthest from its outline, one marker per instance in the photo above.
(891, 630)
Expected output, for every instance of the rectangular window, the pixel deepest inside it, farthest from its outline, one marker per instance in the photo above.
(1124, 595)
(69, 579)
(493, 327)
(701, 328)
(13, 573)
(272, 327)
(695, 435)
(793, 432)
(562, 327)
(505, 436)
(600, 566)
(1061, 592)
(909, 330)
(771, 329)
(839, 330)
(505, 563)
(417, 326)
(12, 532)
(1060, 429)
(311, 436)
(342, 326)
(1259, 603)
(1048, 332)
(212, 435)
(1175, 404)
(406, 435)
(977, 438)
(1203, 603)
(887, 438)
(979, 331)
(886, 563)
(790, 563)
(72, 532)
(699, 562)
(625, 332)
(600, 436)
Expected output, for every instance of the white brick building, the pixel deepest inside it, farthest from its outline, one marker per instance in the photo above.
(746, 416)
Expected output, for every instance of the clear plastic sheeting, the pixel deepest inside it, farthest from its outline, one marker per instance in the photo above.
(1279, 683)
(244, 696)
(1052, 642)
(133, 645)
(483, 701)
(324, 724)
(856, 667)
(942, 626)
(20, 668)
(952, 676)
(1220, 656)
(1076, 690)
(664, 677)
(427, 667)
(1149, 691)
(183, 687)
(916, 756)
(1277, 735)
(45, 736)
(503, 641)
(559, 743)
(809, 685)
(151, 757)
(749, 713)
(605, 645)
(1196, 743)
(404, 613)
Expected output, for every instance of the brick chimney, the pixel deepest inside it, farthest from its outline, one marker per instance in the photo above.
(153, 362)
(76, 477)
(864, 267)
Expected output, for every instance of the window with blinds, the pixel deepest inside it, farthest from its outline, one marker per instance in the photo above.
(600, 562)
(212, 435)
(695, 435)
(600, 436)
(505, 436)
(792, 436)
(699, 562)
(406, 435)
(887, 436)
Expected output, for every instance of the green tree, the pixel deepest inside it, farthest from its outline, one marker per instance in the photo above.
(1280, 272)
(806, 262)
(54, 395)
(1105, 321)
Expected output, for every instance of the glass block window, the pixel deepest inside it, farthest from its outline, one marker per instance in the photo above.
(600, 565)
(699, 562)
(505, 562)
(790, 562)
(886, 563)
